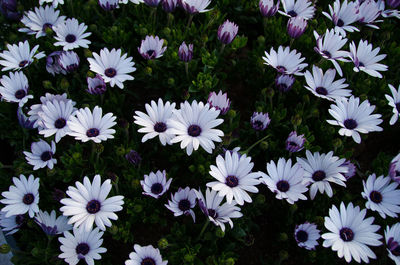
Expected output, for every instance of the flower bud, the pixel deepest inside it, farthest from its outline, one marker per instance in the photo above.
(185, 52)
(296, 26)
(268, 8)
(227, 32)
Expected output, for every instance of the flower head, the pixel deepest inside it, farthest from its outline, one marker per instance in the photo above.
(71, 35)
(219, 101)
(296, 26)
(133, 157)
(14, 88)
(227, 32)
(42, 155)
(182, 202)
(53, 63)
(96, 85)
(294, 142)
(24, 120)
(394, 168)
(394, 102)
(260, 121)
(155, 184)
(284, 82)
(169, 5)
(152, 47)
(69, 61)
(392, 239)
(50, 224)
(54, 3)
(12, 224)
(109, 5)
(19, 56)
(285, 61)
(185, 52)
(147, 255)
(268, 8)
(306, 235)
(195, 6)
(351, 169)
(343, 15)
(298, 8)
(368, 12)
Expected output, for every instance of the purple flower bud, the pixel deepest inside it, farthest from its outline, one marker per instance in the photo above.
(58, 195)
(268, 8)
(169, 5)
(260, 121)
(296, 26)
(69, 61)
(108, 4)
(227, 32)
(133, 157)
(185, 52)
(393, 3)
(295, 143)
(24, 120)
(96, 85)
(152, 3)
(284, 82)
(219, 101)
(351, 169)
(394, 168)
(52, 63)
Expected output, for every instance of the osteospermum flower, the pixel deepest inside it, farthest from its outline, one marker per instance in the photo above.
(147, 255)
(155, 184)
(284, 82)
(69, 61)
(133, 157)
(234, 177)
(154, 122)
(182, 202)
(169, 5)
(227, 32)
(294, 142)
(219, 101)
(24, 120)
(14, 88)
(394, 102)
(54, 3)
(260, 121)
(185, 52)
(322, 85)
(365, 59)
(320, 169)
(298, 8)
(109, 4)
(351, 169)
(394, 168)
(343, 15)
(22, 197)
(51, 224)
(152, 3)
(286, 180)
(296, 26)
(19, 56)
(86, 125)
(285, 61)
(53, 63)
(350, 234)
(12, 224)
(354, 118)
(96, 85)
(368, 12)
(113, 67)
(193, 124)
(392, 239)
(88, 203)
(217, 213)
(382, 196)
(71, 35)
(195, 6)
(81, 245)
(306, 235)
(268, 8)
(43, 18)
(41, 155)
(152, 47)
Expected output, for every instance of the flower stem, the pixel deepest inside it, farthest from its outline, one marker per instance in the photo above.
(187, 69)
(253, 145)
(203, 229)
(222, 49)
(189, 23)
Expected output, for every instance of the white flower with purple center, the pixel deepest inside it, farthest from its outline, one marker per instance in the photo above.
(354, 118)
(69, 61)
(41, 155)
(268, 8)
(185, 52)
(155, 184)
(294, 142)
(219, 101)
(285, 61)
(394, 168)
(88, 204)
(51, 224)
(86, 125)
(298, 8)
(234, 177)
(306, 235)
(147, 255)
(96, 85)
(10, 225)
(152, 47)
(323, 85)
(71, 35)
(296, 26)
(109, 5)
(81, 245)
(350, 234)
(260, 121)
(284, 82)
(343, 15)
(195, 6)
(22, 197)
(394, 102)
(182, 202)
(14, 88)
(392, 239)
(368, 12)
(382, 196)
(113, 67)
(227, 32)
(54, 3)
(18, 56)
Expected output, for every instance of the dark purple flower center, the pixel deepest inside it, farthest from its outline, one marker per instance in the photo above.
(160, 127)
(327, 54)
(302, 236)
(150, 53)
(340, 23)
(283, 186)
(398, 106)
(231, 181)
(23, 63)
(60, 123)
(212, 213)
(350, 124)
(194, 130)
(92, 132)
(20, 94)
(47, 26)
(82, 249)
(156, 188)
(258, 125)
(361, 64)
(375, 196)
(28, 198)
(46, 156)
(318, 175)
(292, 13)
(19, 219)
(293, 144)
(394, 247)
(110, 72)
(346, 234)
(93, 206)
(148, 261)
(281, 68)
(70, 38)
(321, 90)
(184, 205)
(99, 87)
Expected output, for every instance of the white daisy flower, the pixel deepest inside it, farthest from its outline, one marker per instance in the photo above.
(81, 245)
(306, 235)
(182, 202)
(71, 35)
(86, 125)
(42, 155)
(147, 255)
(54, 3)
(234, 177)
(54, 117)
(227, 32)
(368, 12)
(51, 224)
(11, 224)
(382, 196)
(298, 8)
(343, 15)
(286, 180)
(320, 169)
(329, 45)
(193, 124)
(322, 85)
(19, 56)
(14, 88)
(354, 118)
(195, 6)
(154, 122)
(43, 18)
(113, 67)
(285, 61)
(152, 47)
(69, 61)
(365, 59)
(350, 234)
(217, 213)
(155, 184)
(88, 203)
(22, 197)
(394, 102)
(219, 101)
(392, 239)
(294, 142)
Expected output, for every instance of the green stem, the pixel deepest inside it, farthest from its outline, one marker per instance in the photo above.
(256, 143)
(187, 69)
(203, 229)
(188, 24)
(222, 49)
(49, 238)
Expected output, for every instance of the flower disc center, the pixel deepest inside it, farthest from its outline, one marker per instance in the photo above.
(156, 188)
(321, 90)
(375, 196)
(60, 123)
(160, 127)
(110, 72)
(350, 124)
(70, 38)
(232, 181)
(194, 130)
(184, 205)
(283, 185)
(93, 206)
(46, 156)
(20, 94)
(92, 132)
(82, 248)
(302, 236)
(148, 261)
(28, 198)
(23, 63)
(346, 234)
(318, 175)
